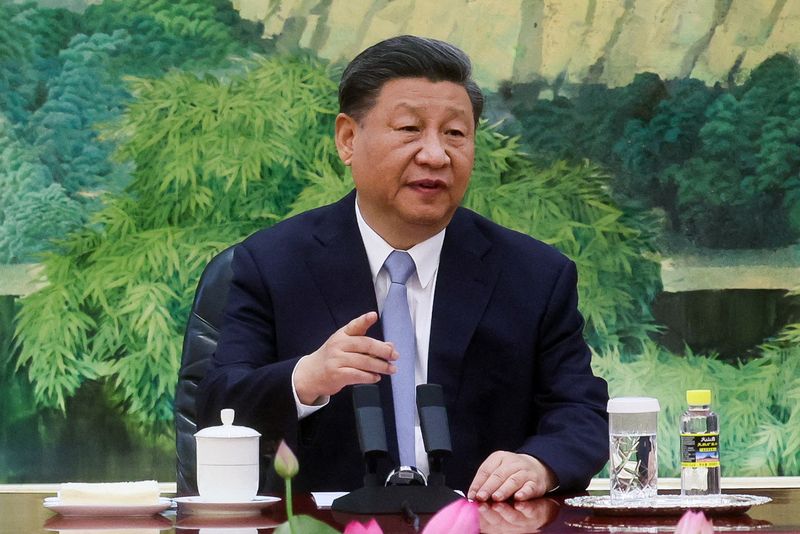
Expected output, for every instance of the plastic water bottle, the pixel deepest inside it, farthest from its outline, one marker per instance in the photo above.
(700, 467)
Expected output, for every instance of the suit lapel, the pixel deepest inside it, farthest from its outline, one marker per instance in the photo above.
(341, 272)
(464, 283)
(340, 267)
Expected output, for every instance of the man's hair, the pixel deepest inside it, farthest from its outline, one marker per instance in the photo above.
(406, 56)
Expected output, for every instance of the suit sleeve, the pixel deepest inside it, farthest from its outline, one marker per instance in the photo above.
(246, 373)
(571, 434)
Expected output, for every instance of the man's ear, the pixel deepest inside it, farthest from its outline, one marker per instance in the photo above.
(344, 135)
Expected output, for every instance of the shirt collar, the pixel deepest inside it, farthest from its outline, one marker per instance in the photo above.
(425, 254)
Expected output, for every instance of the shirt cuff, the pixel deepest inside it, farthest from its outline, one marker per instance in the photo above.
(304, 410)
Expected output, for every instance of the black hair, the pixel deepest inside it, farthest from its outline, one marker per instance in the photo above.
(406, 56)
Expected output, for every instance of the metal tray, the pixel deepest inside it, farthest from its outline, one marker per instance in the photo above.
(669, 504)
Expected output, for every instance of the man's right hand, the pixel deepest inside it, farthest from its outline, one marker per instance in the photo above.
(347, 357)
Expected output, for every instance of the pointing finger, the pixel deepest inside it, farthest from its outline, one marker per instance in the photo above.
(360, 325)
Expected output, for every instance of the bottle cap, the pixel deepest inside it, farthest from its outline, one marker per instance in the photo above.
(633, 405)
(698, 397)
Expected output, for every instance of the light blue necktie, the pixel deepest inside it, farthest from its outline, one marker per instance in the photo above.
(398, 328)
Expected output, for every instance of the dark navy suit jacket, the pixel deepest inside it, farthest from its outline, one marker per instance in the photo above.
(506, 345)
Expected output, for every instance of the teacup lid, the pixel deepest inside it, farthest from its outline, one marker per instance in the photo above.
(227, 429)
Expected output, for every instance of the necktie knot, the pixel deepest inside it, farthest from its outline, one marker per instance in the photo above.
(400, 265)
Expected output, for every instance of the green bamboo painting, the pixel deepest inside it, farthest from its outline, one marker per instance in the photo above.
(139, 138)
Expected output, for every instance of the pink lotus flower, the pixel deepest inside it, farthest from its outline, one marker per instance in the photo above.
(286, 464)
(694, 523)
(354, 527)
(459, 516)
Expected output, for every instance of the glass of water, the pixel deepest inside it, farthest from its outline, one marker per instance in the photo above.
(633, 447)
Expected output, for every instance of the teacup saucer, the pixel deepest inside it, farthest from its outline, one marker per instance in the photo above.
(198, 505)
(105, 509)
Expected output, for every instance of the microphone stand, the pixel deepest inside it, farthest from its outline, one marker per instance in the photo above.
(375, 498)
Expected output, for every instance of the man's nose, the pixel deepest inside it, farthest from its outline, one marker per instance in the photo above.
(432, 152)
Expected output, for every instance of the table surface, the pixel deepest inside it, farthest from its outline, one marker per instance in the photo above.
(24, 512)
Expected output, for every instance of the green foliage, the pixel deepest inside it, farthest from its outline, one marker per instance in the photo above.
(17, 405)
(568, 206)
(718, 196)
(14, 43)
(53, 163)
(191, 34)
(30, 39)
(229, 150)
(31, 219)
(65, 366)
(16, 397)
(736, 185)
(758, 402)
(603, 113)
(214, 160)
(723, 163)
(648, 148)
(61, 80)
(17, 54)
(585, 124)
(64, 128)
(35, 208)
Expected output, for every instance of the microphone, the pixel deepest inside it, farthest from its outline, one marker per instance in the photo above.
(433, 420)
(435, 429)
(370, 427)
(405, 489)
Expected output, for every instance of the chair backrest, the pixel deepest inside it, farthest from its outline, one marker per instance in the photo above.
(199, 344)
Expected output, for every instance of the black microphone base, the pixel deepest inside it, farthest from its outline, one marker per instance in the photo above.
(394, 499)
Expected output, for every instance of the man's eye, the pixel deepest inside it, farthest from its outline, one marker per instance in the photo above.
(409, 128)
(455, 133)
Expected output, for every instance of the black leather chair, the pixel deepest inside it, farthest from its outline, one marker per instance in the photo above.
(199, 344)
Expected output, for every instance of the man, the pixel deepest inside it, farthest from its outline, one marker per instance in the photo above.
(493, 312)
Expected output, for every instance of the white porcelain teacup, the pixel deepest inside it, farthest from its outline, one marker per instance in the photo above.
(227, 461)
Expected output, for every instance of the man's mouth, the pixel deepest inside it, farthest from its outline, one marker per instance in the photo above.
(428, 184)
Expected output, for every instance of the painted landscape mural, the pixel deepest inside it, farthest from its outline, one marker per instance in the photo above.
(655, 143)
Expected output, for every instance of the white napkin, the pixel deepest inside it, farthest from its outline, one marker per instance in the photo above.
(139, 493)
(324, 499)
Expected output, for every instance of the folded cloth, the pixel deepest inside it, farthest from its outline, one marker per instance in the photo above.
(139, 493)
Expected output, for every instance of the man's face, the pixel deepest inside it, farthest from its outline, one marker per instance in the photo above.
(411, 156)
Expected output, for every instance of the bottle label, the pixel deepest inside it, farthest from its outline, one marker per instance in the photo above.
(700, 450)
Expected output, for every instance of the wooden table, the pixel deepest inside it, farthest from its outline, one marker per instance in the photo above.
(24, 513)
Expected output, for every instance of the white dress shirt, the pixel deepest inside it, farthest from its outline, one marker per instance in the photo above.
(420, 288)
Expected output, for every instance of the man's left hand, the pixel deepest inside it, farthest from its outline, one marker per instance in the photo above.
(505, 474)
